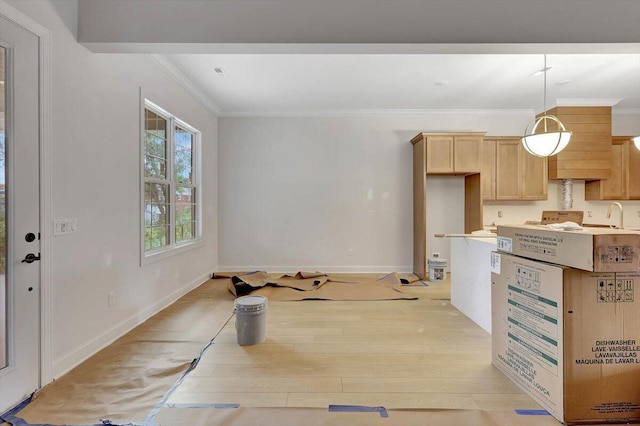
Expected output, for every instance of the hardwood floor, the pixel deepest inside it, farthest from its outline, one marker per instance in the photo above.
(397, 354)
(422, 360)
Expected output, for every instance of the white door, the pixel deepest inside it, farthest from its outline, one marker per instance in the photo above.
(19, 214)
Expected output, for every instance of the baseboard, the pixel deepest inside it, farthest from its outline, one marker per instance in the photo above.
(80, 354)
(358, 269)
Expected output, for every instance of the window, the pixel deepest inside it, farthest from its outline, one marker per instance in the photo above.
(171, 205)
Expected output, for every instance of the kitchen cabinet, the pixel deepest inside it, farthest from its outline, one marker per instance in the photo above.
(488, 171)
(452, 153)
(624, 183)
(510, 173)
(438, 151)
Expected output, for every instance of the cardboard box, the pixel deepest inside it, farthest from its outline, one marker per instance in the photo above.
(569, 338)
(591, 249)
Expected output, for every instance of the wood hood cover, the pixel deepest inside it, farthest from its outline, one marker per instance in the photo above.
(588, 155)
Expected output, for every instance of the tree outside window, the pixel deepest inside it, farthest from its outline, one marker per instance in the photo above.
(170, 213)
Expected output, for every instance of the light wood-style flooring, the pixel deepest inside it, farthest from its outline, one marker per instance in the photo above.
(421, 354)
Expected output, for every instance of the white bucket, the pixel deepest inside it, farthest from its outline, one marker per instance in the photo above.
(251, 319)
(437, 269)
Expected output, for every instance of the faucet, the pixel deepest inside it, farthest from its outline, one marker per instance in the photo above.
(615, 203)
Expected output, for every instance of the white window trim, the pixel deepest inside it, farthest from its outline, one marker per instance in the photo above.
(147, 257)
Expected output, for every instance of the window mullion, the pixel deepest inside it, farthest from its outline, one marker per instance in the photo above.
(172, 183)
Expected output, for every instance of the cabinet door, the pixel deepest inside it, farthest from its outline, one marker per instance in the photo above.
(618, 184)
(508, 170)
(439, 154)
(633, 172)
(488, 171)
(467, 156)
(613, 188)
(534, 176)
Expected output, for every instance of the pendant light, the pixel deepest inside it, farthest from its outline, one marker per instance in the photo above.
(548, 136)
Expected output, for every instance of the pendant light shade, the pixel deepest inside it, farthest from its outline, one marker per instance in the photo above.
(547, 136)
(636, 142)
(545, 143)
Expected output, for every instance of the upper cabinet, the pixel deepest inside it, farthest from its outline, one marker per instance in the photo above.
(588, 155)
(509, 173)
(624, 182)
(452, 153)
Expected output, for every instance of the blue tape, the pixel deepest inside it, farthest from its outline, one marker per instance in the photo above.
(178, 405)
(532, 412)
(358, 409)
(10, 417)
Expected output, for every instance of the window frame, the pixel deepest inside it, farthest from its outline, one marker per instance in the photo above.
(172, 248)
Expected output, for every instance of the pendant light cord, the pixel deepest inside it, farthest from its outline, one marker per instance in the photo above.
(544, 96)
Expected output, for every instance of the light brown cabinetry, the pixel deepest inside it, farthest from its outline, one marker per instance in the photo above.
(510, 173)
(488, 172)
(448, 153)
(624, 183)
(588, 155)
(444, 154)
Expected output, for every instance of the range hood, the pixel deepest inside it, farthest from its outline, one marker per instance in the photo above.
(588, 155)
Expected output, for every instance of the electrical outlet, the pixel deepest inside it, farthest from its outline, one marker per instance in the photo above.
(111, 298)
(638, 212)
(350, 252)
(499, 213)
(590, 213)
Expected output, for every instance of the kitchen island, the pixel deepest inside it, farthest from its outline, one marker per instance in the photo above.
(471, 277)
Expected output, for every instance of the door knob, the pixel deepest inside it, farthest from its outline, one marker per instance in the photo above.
(30, 258)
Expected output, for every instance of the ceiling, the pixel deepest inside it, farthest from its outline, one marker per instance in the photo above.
(337, 56)
(259, 84)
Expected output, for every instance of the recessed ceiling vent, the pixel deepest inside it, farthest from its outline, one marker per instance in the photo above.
(220, 72)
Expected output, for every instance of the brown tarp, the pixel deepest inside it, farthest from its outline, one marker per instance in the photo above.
(124, 381)
(318, 286)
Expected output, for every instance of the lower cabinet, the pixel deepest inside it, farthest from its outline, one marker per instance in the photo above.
(510, 173)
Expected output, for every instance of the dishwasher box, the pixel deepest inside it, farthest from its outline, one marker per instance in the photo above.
(591, 249)
(569, 338)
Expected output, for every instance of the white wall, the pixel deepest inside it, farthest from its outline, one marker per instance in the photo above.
(96, 151)
(297, 192)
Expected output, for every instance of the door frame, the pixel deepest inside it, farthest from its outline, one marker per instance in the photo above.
(45, 130)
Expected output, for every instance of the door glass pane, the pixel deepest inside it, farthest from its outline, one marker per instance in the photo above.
(3, 224)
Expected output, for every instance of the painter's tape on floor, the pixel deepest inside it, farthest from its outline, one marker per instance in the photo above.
(358, 409)
(532, 413)
(11, 418)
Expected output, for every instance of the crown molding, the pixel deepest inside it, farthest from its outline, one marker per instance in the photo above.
(625, 111)
(183, 81)
(376, 112)
(587, 102)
